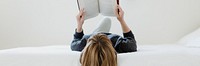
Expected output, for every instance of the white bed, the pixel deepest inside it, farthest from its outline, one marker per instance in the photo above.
(61, 55)
(185, 52)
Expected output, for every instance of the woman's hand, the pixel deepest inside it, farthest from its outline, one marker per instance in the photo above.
(80, 20)
(119, 13)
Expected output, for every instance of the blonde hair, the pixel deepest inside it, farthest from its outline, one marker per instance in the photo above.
(98, 52)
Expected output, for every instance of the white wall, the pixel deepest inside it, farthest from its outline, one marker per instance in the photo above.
(52, 22)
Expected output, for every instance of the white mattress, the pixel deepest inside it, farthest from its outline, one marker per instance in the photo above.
(60, 55)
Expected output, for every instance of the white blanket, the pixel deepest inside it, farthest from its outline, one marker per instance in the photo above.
(60, 55)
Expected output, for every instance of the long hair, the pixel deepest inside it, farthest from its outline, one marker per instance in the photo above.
(98, 52)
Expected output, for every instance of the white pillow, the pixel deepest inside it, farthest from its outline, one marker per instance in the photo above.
(192, 39)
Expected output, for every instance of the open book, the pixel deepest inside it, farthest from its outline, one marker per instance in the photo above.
(95, 7)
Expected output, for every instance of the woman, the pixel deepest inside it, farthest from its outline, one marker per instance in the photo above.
(100, 48)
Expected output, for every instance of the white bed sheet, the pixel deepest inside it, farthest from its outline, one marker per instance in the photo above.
(61, 55)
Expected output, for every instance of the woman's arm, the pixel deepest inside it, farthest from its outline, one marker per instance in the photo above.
(78, 43)
(128, 42)
(80, 21)
(120, 16)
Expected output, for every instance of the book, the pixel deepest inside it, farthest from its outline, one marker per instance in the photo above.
(93, 8)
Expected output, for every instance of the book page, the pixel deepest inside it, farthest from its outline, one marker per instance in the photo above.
(107, 7)
(90, 6)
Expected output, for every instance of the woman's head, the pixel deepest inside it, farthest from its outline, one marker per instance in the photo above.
(98, 52)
